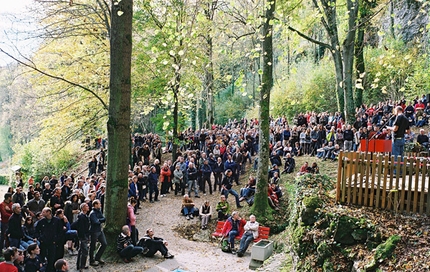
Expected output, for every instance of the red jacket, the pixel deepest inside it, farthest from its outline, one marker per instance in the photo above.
(165, 174)
(4, 213)
(228, 226)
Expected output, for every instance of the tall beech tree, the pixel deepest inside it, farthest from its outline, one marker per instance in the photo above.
(119, 117)
(261, 203)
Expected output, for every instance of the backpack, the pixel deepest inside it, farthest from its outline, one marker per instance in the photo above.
(225, 245)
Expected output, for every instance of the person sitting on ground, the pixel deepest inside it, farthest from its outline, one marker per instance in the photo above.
(275, 169)
(9, 256)
(273, 198)
(232, 228)
(275, 178)
(333, 153)
(276, 189)
(205, 214)
(314, 168)
(223, 209)
(188, 207)
(304, 169)
(290, 164)
(251, 233)
(248, 190)
(125, 246)
(155, 244)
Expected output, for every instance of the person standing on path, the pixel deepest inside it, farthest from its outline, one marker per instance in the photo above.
(83, 226)
(97, 234)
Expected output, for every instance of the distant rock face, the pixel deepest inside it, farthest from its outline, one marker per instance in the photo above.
(410, 19)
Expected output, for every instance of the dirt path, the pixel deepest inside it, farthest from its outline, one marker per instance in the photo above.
(191, 256)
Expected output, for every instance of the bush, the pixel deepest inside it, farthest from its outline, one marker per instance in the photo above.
(4, 180)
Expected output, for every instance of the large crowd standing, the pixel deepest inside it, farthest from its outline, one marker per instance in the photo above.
(69, 210)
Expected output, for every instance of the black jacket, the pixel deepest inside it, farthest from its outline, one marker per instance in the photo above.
(83, 226)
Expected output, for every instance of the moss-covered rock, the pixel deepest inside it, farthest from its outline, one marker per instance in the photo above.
(309, 214)
(343, 233)
(324, 251)
(383, 251)
(328, 266)
(360, 235)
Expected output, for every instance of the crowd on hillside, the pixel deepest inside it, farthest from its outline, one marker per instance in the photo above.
(69, 210)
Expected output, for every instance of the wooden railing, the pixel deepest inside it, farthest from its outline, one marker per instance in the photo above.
(382, 181)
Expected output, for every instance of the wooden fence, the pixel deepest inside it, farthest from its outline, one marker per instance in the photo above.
(382, 181)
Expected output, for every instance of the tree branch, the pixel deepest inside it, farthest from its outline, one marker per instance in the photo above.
(33, 67)
(309, 38)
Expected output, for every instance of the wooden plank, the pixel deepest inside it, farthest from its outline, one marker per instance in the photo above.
(373, 182)
(384, 186)
(362, 171)
(391, 194)
(402, 193)
(396, 185)
(428, 193)
(417, 178)
(356, 158)
(344, 176)
(409, 193)
(349, 173)
(339, 176)
(366, 181)
(423, 185)
(378, 186)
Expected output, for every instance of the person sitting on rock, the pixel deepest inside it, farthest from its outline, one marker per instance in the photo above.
(205, 214)
(188, 207)
(233, 228)
(154, 244)
(125, 247)
(223, 209)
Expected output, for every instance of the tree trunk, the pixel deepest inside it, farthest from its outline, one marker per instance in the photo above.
(209, 79)
(175, 121)
(359, 65)
(261, 204)
(119, 119)
(348, 60)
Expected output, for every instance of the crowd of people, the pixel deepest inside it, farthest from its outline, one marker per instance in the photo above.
(69, 210)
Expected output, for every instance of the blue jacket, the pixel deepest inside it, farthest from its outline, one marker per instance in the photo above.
(132, 191)
(206, 170)
(96, 220)
(230, 165)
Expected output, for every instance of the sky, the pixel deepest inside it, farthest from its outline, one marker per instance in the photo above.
(10, 13)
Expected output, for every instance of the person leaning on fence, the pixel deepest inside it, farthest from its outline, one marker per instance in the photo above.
(125, 246)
